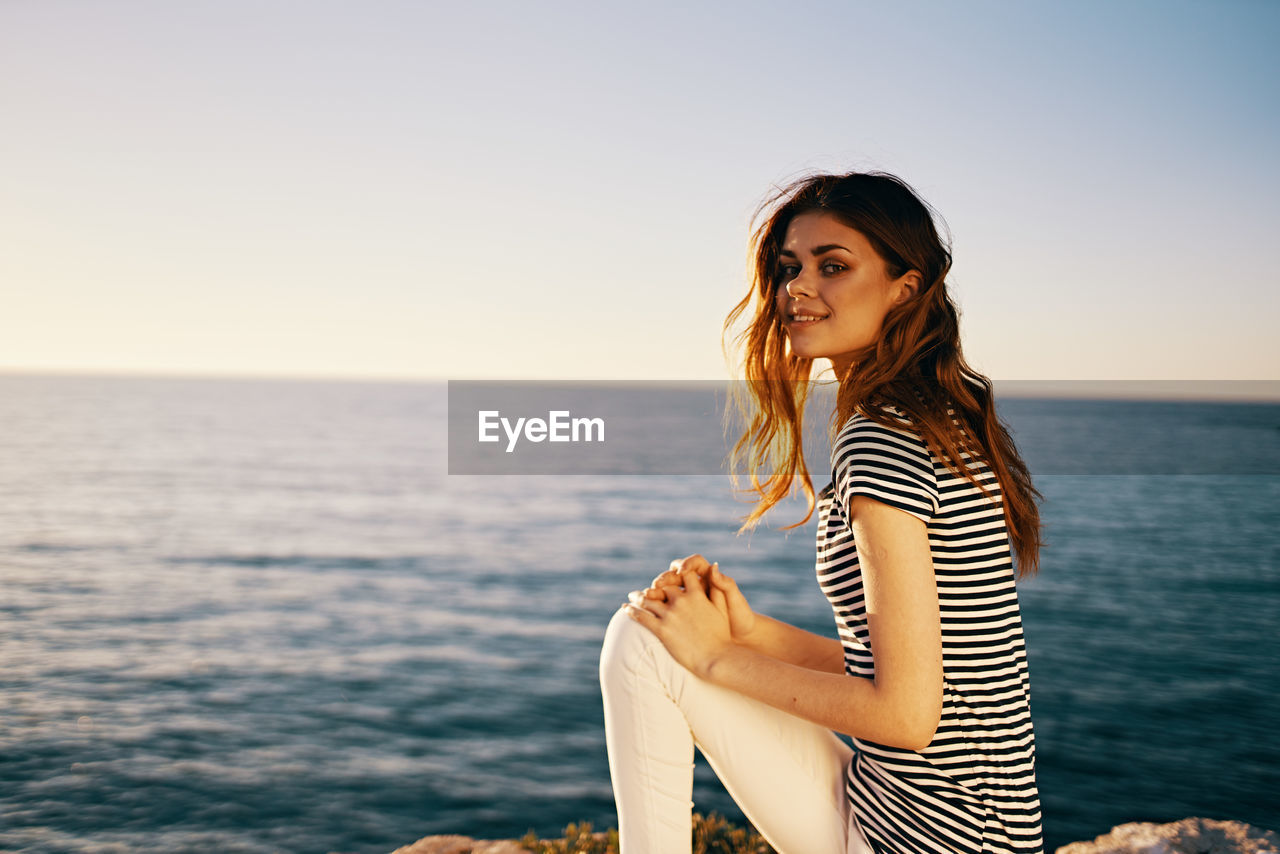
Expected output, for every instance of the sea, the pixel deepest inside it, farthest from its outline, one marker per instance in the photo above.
(253, 615)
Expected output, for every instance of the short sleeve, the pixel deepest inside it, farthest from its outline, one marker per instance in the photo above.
(889, 464)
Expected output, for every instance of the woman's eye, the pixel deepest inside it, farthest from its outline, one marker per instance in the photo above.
(787, 272)
(831, 268)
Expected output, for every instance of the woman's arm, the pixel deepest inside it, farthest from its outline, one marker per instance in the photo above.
(901, 706)
(794, 645)
(757, 631)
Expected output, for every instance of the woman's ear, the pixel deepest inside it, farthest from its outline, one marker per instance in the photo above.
(908, 286)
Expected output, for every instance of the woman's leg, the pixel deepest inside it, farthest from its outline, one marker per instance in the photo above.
(785, 773)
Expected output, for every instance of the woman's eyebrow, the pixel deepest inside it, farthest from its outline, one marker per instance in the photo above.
(817, 250)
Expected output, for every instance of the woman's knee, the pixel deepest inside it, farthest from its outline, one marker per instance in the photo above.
(625, 647)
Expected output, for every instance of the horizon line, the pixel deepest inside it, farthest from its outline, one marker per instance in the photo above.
(1215, 390)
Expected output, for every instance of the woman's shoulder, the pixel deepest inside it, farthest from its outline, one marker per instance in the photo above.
(887, 462)
(859, 428)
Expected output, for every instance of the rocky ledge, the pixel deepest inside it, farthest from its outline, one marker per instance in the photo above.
(1189, 836)
(461, 845)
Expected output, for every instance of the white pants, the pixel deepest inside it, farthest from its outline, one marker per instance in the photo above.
(786, 773)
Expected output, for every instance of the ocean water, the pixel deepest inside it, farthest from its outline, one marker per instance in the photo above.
(258, 616)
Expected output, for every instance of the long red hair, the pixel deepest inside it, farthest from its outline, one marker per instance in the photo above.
(916, 365)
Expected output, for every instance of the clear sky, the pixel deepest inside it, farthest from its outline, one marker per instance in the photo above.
(563, 190)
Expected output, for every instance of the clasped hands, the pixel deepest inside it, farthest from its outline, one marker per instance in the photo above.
(697, 612)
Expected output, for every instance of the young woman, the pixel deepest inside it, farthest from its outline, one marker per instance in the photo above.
(917, 531)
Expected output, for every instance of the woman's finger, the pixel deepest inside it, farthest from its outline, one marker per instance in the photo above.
(666, 578)
(657, 607)
(641, 616)
(719, 579)
(692, 580)
(637, 597)
(697, 563)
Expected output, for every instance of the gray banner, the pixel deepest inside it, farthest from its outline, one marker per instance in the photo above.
(684, 428)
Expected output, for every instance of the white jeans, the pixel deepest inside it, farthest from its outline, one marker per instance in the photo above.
(786, 773)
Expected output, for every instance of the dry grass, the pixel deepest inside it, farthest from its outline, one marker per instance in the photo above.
(711, 835)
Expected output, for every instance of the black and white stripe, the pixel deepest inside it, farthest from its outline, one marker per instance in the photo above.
(973, 789)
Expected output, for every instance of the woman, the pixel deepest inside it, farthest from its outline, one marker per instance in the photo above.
(917, 531)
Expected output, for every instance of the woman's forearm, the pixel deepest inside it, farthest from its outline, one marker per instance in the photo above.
(854, 705)
(794, 645)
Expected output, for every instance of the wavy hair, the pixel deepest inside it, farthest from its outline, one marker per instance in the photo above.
(916, 366)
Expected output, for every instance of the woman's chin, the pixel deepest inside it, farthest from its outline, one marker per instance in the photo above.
(799, 348)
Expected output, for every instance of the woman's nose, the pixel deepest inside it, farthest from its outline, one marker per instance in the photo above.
(799, 286)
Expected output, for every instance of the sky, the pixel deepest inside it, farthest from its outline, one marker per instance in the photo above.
(564, 190)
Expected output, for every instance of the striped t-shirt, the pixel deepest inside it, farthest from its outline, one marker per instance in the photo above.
(973, 789)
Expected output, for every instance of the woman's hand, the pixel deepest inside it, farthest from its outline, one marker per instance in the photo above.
(670, 579)
(721, 590)
(724, 594)
(693, 629)
(674, 576)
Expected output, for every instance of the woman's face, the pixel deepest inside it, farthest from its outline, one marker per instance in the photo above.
(834, 289)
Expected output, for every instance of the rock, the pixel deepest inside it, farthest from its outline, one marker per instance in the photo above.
(461, 845)
(1188, 836)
